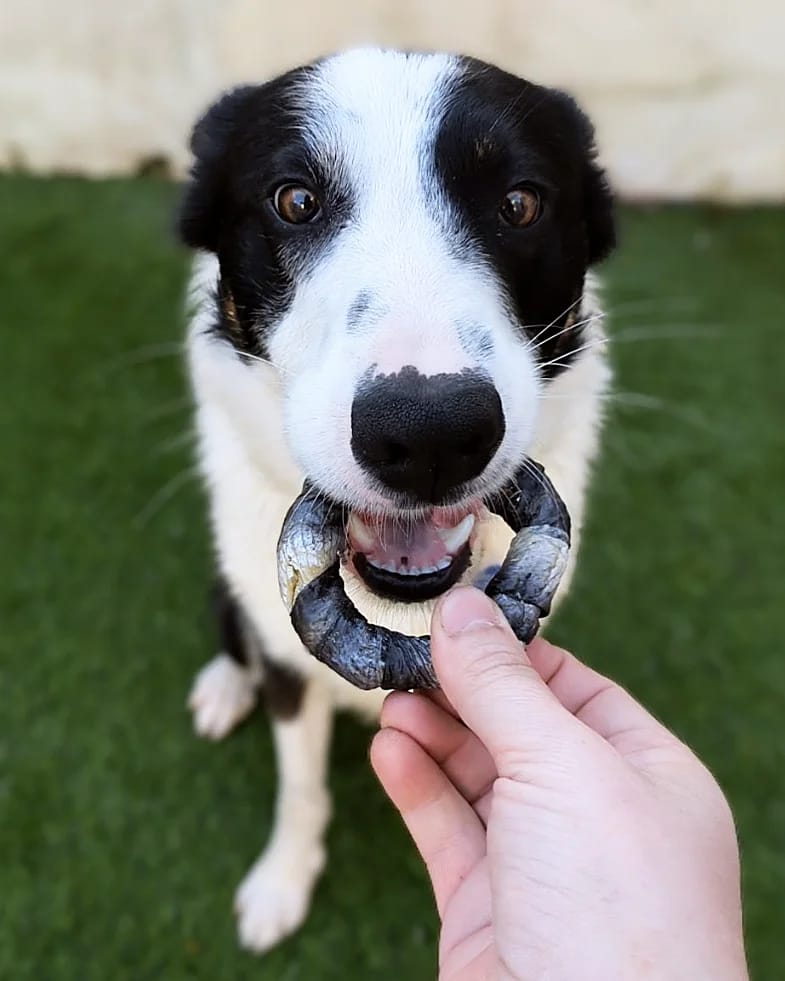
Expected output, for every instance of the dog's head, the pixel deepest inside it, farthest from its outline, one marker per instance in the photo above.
(405, 238)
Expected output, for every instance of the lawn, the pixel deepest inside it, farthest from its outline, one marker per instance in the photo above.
(122, 836)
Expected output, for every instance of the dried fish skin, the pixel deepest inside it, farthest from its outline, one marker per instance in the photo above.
(313, 538)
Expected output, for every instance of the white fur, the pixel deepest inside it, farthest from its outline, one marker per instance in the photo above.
(262, 427)
(273, 899)
(222, 695)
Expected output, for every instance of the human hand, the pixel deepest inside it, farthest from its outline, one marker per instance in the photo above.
(567, 834)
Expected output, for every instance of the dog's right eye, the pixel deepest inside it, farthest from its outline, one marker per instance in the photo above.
(296, 204)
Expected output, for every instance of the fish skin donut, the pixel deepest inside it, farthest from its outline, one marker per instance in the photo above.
(313, 541)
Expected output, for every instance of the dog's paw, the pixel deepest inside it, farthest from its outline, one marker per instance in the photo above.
(222, 695)
(272, 901)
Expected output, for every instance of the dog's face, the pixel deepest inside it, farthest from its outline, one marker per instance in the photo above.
(405, 238)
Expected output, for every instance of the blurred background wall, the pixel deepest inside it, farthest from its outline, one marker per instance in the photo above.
(688, 95)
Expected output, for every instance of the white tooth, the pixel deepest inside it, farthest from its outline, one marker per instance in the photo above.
(455, 538)
(427, 569)
(390, 567)
(360, 532)
(376, 565)
(443, 563)
(413, 570)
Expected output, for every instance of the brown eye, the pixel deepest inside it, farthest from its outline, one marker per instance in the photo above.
(521, 207)
(295, 204)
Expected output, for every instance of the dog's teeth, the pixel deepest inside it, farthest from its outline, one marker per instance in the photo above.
(360, 533)
(412, 570)
(455, 538)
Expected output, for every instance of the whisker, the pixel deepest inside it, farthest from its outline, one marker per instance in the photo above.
(508, 109)
(142, 355)
(688, 414)
(162, 496)
(167, 408)
(673, 332)
(598, 342)
(556, 319)
(644, 400)
(264, 361)
(669, 305)
(574, 326)
(174, 443)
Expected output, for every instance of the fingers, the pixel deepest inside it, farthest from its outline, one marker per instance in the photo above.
(488, 678)
(460, 754)
(515, 701)
(447, 832)
(594, 699)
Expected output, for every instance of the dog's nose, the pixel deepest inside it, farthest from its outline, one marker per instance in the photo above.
(426, 435)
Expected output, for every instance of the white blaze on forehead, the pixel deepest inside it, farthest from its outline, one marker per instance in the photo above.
(375, 114)
(373, 117)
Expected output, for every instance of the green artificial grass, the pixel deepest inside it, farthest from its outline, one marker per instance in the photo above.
(122, 836)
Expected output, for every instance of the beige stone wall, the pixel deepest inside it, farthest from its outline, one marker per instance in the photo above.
(688, 95)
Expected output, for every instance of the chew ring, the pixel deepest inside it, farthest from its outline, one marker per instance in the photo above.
(313, 538)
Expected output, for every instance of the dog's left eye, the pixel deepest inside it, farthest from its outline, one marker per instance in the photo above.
(296, 205)
(521, 206)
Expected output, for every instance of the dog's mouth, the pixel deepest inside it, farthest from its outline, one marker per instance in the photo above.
(412, 558)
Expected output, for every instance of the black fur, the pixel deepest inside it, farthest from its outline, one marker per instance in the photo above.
(282, 687)
(499, 132)
(230, 627)
(282, 690)
(245, 146)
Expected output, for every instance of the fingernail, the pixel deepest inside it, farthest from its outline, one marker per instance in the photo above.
(465, 608)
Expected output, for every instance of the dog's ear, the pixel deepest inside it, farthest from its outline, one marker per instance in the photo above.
(200, 210)
(599, 204)
(598, 199)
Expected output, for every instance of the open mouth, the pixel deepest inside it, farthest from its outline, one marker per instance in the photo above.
(317, 536)
(410, 559)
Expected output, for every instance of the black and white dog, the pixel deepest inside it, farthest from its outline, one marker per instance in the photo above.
(391, 298)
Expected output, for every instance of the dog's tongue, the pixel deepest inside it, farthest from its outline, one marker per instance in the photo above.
(410, 546)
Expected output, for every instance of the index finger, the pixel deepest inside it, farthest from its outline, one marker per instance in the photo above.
(592, 698)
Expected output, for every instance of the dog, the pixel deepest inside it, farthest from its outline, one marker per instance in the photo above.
(392, 297)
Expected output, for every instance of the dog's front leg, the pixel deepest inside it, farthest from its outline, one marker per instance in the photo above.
(273, 899)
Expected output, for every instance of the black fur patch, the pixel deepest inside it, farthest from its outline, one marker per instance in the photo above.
(500, 132)
(282, 687)
(245, 147)
(229, 619)
(282, 690)
(360, 306)
(476, 340)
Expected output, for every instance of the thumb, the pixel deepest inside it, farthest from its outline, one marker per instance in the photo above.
(485, 672)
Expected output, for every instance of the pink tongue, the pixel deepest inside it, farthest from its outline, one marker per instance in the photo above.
(415, 544)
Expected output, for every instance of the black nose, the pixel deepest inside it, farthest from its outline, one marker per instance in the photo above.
(425, 436)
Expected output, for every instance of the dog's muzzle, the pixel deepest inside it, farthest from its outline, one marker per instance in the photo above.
(314, 540)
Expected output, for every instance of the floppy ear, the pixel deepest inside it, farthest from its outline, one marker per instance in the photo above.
(202, 203)
(599, 205)
(598, 199)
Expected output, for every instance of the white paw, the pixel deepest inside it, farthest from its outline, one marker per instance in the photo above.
(222, 695)
(272, 901)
